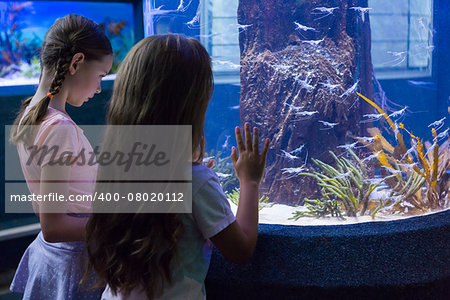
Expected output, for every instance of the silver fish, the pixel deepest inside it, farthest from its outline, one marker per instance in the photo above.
(350, 90)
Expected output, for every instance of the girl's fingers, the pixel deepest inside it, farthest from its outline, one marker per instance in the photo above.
(210, 163)
(255, 140)
(233, 155)
(248, 137)
(266, 149)
(239, 141)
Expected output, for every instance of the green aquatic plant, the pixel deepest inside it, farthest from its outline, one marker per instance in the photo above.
(31, 70)
(319, 208)
(344, 188)
(233, 196)
(224, 169)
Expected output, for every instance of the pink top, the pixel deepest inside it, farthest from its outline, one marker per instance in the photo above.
(57, 128)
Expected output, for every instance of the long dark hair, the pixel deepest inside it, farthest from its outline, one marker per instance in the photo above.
(164, 80)
(67, 36)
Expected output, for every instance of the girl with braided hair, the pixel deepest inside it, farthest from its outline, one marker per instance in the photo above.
(75, 55)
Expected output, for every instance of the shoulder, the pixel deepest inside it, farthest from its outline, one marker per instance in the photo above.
(54, 117)
(57, 125)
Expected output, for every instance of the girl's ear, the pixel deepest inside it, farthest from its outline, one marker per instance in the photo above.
(77, 59)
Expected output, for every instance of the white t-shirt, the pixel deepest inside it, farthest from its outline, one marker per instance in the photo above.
(211, 213)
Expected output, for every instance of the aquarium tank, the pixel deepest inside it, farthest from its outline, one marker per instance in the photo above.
(25, 23)
(353, 95)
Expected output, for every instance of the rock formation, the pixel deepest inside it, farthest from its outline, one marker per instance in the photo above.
(299, 61)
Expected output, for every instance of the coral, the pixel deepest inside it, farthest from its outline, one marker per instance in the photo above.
(15, 51)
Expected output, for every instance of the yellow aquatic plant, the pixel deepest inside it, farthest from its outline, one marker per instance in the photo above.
(433, 167)
(398, 135)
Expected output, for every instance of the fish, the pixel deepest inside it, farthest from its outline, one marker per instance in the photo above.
(441, 135)
(408, 152)
(158, 11)
(304, 84)
(423, 84)
(324, 11)
(307, 113)
(350, 90)
(431, 148)
(397, 54)
(345, 175)
(225, 145)
(297, 150)
(373, 156)
(364, 139)
(400, 112)
(196, 19)
(289, 156)
(438, 123)
(426, 46)
(227, 63)
(243, 27)
(330, 86)
(294, 171)
(222, 175)
(372, 117)
(348, 146)
(313, 42)
(399, 58)
(181, 7)
(296, 108)
(425, 28)
(328, 124)
(116, 28)
(299, 27)
(362, 10)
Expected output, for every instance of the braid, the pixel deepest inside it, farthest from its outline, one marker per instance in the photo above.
(62, 66)
(37, 113)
